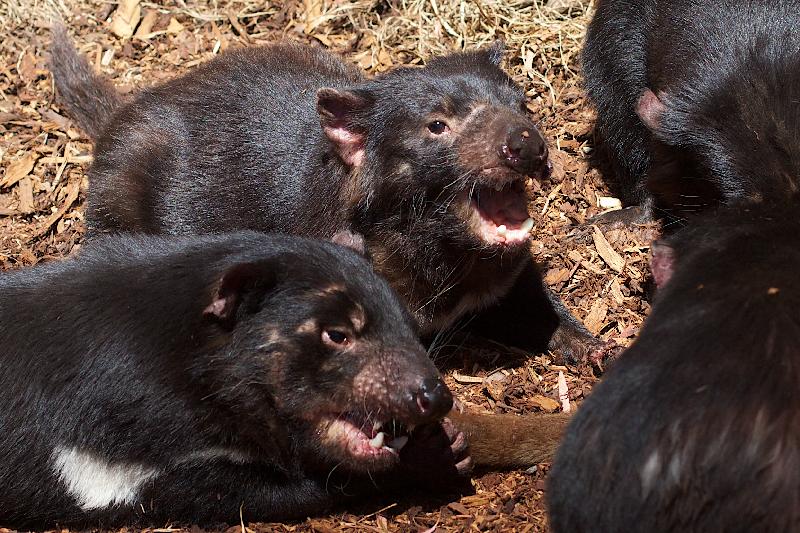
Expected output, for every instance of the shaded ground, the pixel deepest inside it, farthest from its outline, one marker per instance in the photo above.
(601, 275)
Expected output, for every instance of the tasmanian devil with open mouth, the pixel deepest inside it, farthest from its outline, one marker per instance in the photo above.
(204, 379)
(429, 164)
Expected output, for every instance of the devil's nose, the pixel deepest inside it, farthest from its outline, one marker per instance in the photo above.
(432, 401)
(524, 150)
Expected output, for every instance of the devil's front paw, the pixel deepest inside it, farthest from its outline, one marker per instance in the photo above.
(579, 348)
(603, 353)
(437, 453)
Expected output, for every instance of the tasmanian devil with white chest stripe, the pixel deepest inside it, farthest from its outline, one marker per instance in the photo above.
(152, 379)
(428, 164)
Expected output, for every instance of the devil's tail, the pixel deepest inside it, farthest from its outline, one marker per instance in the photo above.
(89, 98)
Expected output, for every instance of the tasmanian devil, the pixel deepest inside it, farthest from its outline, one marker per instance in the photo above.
(697, 100)
(696, 428)
(428, 164)
(153, 379)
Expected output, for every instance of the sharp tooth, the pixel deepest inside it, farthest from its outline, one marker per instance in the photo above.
(527, 225)
(398, 442)
(377, 425)
(501, 229)
(498, 186)
(377, 442)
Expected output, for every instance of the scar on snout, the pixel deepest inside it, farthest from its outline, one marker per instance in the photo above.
(309, 326)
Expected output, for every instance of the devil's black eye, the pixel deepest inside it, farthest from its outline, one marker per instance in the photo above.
(437, 127)
(335, 337)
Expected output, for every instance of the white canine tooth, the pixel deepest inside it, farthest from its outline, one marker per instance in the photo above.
(527, 225)
(377, 425)
(377, 442)
(501, 229)
(398, 442)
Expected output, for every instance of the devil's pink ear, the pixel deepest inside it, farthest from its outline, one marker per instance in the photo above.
(650, 109)
(662, 262)
(495, 52)
(337, 109)
(348, 239)
(235, 284)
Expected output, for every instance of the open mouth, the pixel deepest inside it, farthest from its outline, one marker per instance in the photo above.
(363, 438)
(499, 212)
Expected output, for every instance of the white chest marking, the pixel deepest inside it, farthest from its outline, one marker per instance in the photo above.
(96, 483)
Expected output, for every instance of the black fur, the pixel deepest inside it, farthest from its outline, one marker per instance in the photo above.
(203, 362)
(727, 76)
(289, 138)
(94, 98)
(696, 428)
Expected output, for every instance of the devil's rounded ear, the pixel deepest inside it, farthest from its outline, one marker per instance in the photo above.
(238, 283)
(495, 52)
(650, 109)
(337, 109)
(349, 239)
(662, 262)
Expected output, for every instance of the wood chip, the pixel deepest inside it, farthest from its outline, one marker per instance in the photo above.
(234, 19)
(108, 55)
(496, 390)
(556, 276)
(27, 67)
(174, 26)
(126, 18)
(591, 268)
(19, 169)
(609, 202)
(72, 195)
(25, 191)
(616, 292)
(146, 27)
(461, 378)
(597, 315)
(575, 255)
(606, 251)
(459, 508)
(548, 404)
(563, 392)
(68, 159)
